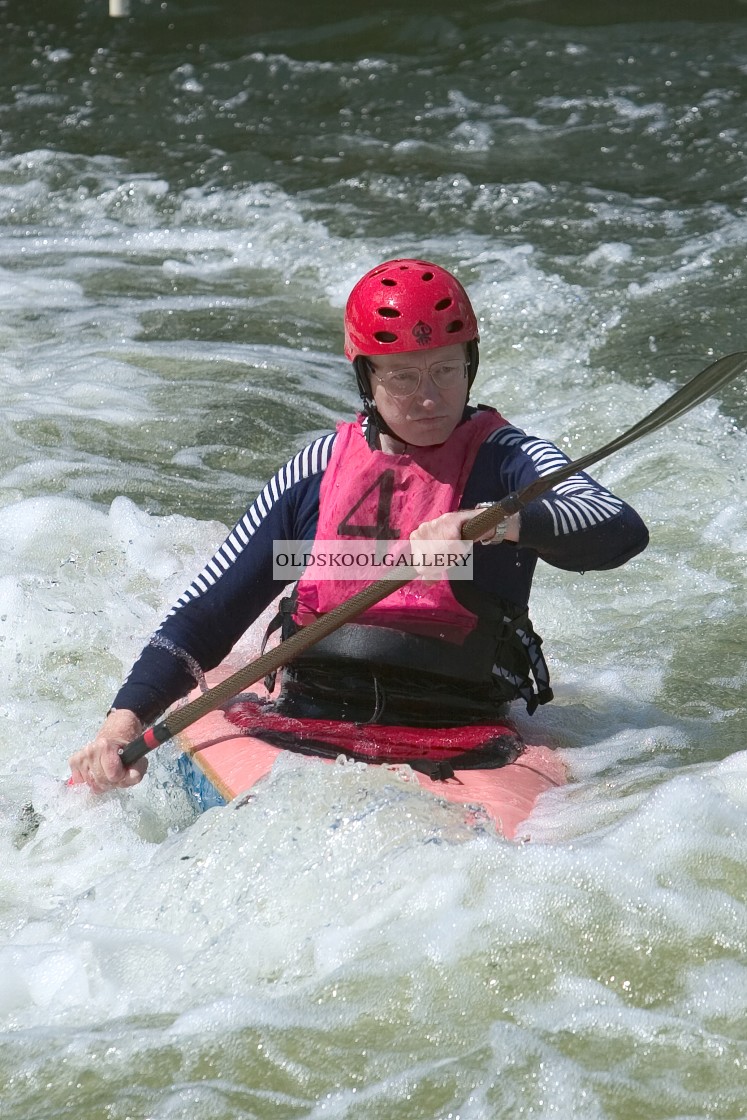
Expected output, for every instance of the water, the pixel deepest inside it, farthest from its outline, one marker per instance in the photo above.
(185, 200)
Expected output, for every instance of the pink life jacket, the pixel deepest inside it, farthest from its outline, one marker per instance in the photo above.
(372, 495)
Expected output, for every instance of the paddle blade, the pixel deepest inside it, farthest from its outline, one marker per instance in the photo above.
(694, 392)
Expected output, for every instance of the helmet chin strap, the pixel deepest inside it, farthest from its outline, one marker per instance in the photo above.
(377, 425)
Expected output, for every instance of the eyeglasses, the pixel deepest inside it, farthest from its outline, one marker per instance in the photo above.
(405, 382)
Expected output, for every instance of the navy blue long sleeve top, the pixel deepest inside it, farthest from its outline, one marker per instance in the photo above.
(578, 526)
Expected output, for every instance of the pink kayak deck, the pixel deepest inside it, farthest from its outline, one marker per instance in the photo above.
(232, 762)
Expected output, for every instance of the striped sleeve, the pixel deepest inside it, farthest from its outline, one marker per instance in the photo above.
(231, 591)
(577, 503)
(310, 461)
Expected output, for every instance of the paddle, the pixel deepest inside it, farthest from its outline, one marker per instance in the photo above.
(702, 386)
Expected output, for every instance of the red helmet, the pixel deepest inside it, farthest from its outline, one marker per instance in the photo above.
(406, 305)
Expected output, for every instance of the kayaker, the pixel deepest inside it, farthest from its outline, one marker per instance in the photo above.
(417, 462)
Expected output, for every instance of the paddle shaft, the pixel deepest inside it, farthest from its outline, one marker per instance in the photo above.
(702, 386)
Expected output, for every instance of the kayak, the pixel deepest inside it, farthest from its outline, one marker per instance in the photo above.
(226, 753)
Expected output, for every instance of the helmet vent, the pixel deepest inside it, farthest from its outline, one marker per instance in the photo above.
(427, 276)
(444, 303)
(389, 282)
(385, 336)
(388, 312)
(454, 326)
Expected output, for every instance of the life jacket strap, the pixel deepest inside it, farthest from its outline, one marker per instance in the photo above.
(501, 660)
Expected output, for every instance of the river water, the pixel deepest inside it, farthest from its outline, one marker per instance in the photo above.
(185, 199)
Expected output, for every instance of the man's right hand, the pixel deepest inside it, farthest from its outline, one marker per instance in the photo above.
(99, 764)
